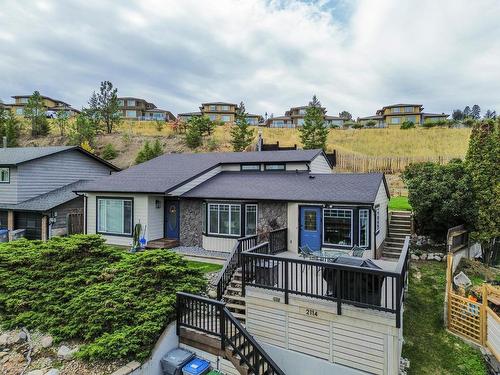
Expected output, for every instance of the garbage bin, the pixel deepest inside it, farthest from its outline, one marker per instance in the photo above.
(173, 362)
(4, 235)
(197, 366)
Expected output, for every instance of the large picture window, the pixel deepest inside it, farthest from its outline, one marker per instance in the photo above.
(114, 216)
(4, 175)
(250, 219)
(364, 227)
(224, 219)
(337, 227)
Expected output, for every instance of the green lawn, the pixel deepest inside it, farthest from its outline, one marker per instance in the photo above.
(399, 204)
(428, 346)
(204, 267)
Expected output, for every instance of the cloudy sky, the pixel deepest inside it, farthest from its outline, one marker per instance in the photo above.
(355, 55)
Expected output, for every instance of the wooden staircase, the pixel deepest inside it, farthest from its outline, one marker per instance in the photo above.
(399, 228)
(162, 243)
(233, 299)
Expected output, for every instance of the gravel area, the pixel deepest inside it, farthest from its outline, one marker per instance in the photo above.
(199, 251)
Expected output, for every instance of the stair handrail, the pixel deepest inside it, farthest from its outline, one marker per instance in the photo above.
(232, 263)
(223, 330)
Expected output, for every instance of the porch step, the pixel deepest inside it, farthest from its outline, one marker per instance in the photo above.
(390, 254)
(235, 306)
(401, 213)
(241, 317)
(233, 289)
(162, 243)
(234, 298)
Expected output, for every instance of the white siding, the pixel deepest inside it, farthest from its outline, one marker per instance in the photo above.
(383, 202)
(140, 215)
(320, 165)
(296, 166)
(493, 338)
(218, 243)
(8, 192)
(155, 224)
(43, 175)
(195, 182)
(362, 339)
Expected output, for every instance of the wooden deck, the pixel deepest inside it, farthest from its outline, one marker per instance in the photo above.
(162, 243)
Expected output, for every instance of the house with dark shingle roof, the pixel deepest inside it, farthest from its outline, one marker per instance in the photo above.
(396, 114)
(37, 187)
(210, 200)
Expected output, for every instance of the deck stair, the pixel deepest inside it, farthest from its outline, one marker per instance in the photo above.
(233, 298)
(162, 243)
(399, 228)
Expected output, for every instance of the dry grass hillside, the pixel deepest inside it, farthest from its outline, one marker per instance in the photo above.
(434, 142)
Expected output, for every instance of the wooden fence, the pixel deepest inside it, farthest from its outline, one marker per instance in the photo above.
(387, 164)
(472, 320)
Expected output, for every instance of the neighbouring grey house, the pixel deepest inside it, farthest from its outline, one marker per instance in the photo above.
(37, 187)
(210, 200)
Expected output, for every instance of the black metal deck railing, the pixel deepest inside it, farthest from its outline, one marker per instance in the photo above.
(212, 317)
(233, 262)
(357, 286)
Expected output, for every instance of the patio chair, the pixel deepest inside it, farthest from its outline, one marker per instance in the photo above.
(358, 251)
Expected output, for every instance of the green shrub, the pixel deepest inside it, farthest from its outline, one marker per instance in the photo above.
(118, 303)
(370, 124)
(148, 152)
(429, 124)
(357, 126)
(407, 125)
(160, 124)
(109, 152)
(193, 136)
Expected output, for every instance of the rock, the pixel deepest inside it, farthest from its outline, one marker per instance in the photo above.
(66, 353)
(52, 371)
(438, 258)
(4, 339)
(36, 372)
(18, 337)
(415, 257)
(46, 341)
(423, 256)
(444, 258)
(3, 354)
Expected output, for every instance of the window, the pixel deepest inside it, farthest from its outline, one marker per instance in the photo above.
(364, 228)
(408, 109)
(225, 118)
(250, 219)
(19, 111)
(395, 120)
(396, 110)
(278, 123)
(212, 117)
(120, 103)
(250, 167)
(4, 175)
(130, 103)
(213, 107)
(337, 227)
(130, 114)
(114, 216)
(224, 219)
(302, 111)
(310, 220)
(23, 100)
(274, 167)
(252, 120)
(225, 108)
(412, 119)
(377, 219)
(300, 122)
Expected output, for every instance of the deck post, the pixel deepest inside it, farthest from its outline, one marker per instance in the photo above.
(339, 292)
(243, 274)
(398, 301)
(178, 315)
(222, 324)
(285, 263)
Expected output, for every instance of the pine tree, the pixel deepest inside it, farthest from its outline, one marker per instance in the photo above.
(314, 133)
(62, 121)
(10, 127)
(482, 162)
(345, 115)
(107, 104)
(35, 111)
(149, 152)
(241, 133)
(466, 112)
(475, 112)
(490, 114)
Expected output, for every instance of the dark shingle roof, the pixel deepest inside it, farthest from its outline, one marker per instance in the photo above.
(291, 186)
(49, 200)
(168, 171)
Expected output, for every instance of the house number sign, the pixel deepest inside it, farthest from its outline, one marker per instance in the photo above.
(311, 312)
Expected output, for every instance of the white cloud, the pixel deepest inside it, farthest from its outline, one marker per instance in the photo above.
(356, 56)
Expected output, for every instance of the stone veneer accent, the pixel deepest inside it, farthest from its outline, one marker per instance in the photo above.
(271, 216)
(190, 220)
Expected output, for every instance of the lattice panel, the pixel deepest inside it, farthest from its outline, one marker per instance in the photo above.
(465, 317)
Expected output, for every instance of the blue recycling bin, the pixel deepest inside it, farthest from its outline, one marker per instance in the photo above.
(4, 235)
(197, 366)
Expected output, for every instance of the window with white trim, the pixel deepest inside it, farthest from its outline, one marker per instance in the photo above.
(250, 219)
(364, 227)
(4, 175)
(395, 120)
(250, 167)
(225, 108)
(225, 118)
(131, 103)
(377, 219)
(213, 108)
(274, 167)
(337, 226)
(114, 216)
(224, 219)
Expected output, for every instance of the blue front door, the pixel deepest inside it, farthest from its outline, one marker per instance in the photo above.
(172, 219)
(310, 227)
